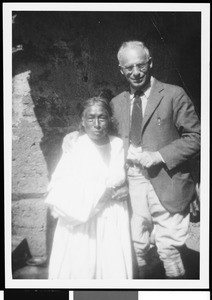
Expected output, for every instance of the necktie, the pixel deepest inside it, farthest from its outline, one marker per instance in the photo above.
(136, 120)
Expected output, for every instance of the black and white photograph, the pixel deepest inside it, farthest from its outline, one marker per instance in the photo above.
(106, 142)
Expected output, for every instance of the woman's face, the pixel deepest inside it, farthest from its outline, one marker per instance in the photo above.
(96, 122)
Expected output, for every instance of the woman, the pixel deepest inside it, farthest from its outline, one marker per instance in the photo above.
(88, 193)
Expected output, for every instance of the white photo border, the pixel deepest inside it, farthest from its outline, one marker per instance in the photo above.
(203, 282)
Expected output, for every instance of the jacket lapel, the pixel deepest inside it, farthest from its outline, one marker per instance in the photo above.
(156, 95)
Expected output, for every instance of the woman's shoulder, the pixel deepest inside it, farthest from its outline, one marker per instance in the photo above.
(82, 139)
(81, 142)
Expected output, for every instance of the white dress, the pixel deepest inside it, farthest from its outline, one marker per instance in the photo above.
(88, 245)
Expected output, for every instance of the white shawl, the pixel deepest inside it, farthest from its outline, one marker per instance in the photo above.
(81, 178)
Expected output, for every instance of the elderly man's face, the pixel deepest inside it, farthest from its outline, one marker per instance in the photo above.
(135, 66)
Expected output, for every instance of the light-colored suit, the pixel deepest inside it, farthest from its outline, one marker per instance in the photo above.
(170, 126)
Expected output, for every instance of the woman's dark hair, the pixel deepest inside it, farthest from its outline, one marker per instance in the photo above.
(101, 101)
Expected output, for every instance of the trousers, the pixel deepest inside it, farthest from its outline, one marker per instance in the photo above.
(148, 214)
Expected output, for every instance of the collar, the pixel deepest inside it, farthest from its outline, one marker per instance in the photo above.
(146, 90)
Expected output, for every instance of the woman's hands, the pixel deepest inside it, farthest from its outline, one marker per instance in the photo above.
(120, 193)
(111, 194)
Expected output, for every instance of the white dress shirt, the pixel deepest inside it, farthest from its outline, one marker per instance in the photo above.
(144, 98)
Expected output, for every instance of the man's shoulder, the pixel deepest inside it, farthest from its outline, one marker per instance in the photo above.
(119, 97)
(169, 87)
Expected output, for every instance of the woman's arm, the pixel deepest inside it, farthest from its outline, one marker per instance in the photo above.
(110, 195)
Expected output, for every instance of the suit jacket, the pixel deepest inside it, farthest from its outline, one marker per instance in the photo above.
(170, 126)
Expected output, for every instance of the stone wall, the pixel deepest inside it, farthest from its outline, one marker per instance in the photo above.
(29, 169)
(65, 57)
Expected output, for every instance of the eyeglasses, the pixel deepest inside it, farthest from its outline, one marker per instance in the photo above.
(141, 67)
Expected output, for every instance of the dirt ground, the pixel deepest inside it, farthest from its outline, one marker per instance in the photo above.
(190, 256)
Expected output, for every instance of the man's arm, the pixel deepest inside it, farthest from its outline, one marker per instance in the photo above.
(187, 145)
(188, 126)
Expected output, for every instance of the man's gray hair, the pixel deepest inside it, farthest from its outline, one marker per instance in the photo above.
(132, 44)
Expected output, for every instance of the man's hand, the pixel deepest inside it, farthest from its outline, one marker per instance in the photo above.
(148, 159)
(69, 141)
(133, 154)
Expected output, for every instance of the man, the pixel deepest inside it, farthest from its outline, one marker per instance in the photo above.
(160, 136)
(161, 132)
